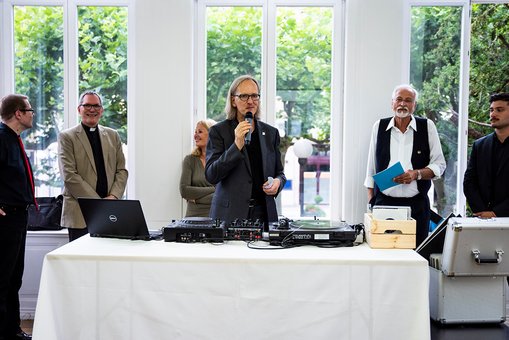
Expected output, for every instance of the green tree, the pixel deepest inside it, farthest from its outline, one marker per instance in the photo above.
(435, 62)
(489, 63)
(39, 73)
(103, 61)
(234, 48)
(435, 67)
(304, 54)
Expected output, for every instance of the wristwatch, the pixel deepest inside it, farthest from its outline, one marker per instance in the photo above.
(419, 175)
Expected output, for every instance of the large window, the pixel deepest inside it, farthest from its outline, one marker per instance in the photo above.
(39, 74)
(489, 63)
(459, 56)
(290, 50)
(234, 47)
(102, 33)
(434, 71)
(43, 68)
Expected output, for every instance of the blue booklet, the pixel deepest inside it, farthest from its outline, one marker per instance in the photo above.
(384, 178)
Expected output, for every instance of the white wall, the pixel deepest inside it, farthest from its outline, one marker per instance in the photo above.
(163, 105)
(164, 86)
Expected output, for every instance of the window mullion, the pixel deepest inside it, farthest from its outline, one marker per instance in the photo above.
(269, 62)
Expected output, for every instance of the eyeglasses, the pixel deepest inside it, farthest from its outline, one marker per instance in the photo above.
(91, 106)
(28, 110)
(245, 97)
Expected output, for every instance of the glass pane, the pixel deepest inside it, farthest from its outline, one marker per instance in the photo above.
(434, 71)
(234, 48)
(38, 72)
(303, 106)
(489, 64)
(102, 34)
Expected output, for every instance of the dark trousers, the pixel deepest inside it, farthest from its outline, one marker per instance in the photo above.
(13, 234)
(75, 233)
(421, 212)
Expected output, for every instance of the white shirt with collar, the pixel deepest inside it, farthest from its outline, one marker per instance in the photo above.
(401, 150)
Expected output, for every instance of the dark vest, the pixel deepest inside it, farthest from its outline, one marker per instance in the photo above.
(420, 151)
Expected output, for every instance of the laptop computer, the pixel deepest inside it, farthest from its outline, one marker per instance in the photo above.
(116, 218)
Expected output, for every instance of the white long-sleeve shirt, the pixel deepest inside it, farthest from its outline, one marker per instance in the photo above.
(401, 150)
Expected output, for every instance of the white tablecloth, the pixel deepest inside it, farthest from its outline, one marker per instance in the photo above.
(96, 288)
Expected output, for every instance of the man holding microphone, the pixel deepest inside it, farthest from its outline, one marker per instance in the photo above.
(243, 159)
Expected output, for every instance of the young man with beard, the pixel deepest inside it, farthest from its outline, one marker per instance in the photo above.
(92, 163)
(414, 142)
(486, 183)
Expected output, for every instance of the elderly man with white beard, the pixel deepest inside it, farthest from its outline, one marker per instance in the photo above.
(414, 142)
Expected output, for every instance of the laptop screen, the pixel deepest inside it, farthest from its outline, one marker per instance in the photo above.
(114, 218)
(434, 243)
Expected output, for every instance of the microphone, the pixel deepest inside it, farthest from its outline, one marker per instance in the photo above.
(247, 137)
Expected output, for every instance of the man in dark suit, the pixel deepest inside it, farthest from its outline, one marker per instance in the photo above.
(486, 182)
(241, 172)
(17, 192)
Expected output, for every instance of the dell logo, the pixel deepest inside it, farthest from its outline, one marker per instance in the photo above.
(113, 218)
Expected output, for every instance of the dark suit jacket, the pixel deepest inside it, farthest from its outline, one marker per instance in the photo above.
(229, 169)
(478, 185)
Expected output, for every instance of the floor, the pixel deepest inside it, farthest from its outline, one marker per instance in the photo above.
(438, 331)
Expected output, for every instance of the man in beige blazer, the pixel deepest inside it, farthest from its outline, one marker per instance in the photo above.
(92, 163)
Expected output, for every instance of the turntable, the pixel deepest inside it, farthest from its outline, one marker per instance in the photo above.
(194, 229)
(311, 232)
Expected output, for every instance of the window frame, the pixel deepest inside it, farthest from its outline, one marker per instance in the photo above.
(461, 203)
(268, 81)
(70, 55)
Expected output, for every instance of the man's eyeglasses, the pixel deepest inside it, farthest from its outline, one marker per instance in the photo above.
(28, 110)
(91, 106)
(245, 97)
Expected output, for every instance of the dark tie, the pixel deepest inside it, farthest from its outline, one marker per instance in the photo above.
(28, 170)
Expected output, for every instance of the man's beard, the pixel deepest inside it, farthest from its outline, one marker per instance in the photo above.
(401, 113)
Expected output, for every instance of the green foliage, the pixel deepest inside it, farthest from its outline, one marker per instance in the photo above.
(435, 71)
(304, 71)
(103, 61)
(489, 63)
(39, 72)
(304, 54)
(234, 48)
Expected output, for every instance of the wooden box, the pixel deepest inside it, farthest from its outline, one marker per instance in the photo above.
(390, 233)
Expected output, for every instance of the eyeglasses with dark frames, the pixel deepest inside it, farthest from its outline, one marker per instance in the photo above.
(245, 97)
(28, 110)
(91, 106)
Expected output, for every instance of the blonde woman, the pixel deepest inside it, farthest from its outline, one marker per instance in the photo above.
(194, 188)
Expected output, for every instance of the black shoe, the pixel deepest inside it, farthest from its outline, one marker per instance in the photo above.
(22, 336)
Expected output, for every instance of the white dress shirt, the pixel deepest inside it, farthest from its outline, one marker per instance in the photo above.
(401, 150)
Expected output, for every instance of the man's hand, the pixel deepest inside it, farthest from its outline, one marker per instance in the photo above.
(272, 189)
(485, 214)
(2, 212)
(407, 177)
(240, 132)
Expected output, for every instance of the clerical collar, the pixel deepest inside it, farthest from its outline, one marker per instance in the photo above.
(88, 128)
